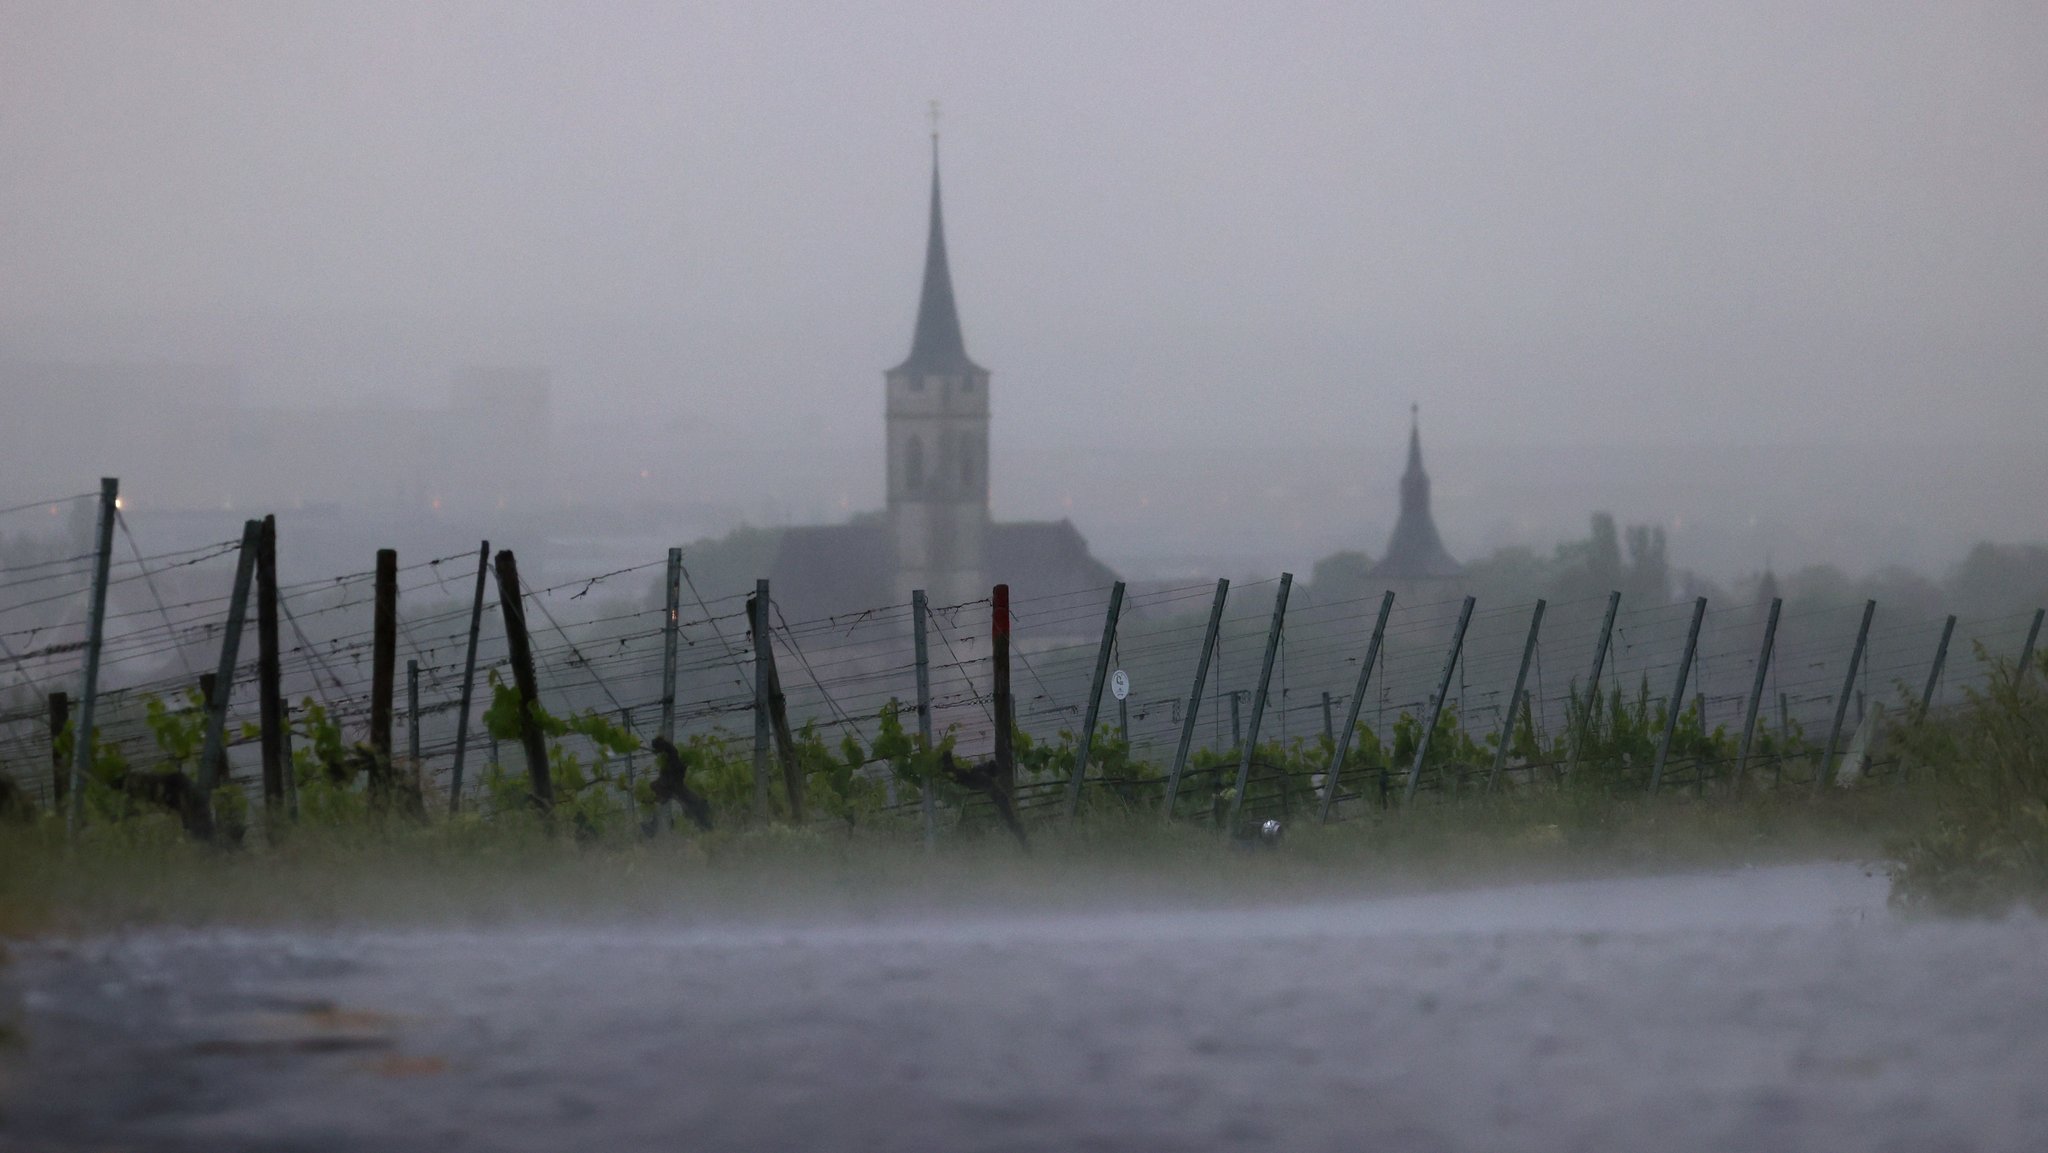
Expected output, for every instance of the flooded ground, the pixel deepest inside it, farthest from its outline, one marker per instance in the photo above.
(1760, 1009)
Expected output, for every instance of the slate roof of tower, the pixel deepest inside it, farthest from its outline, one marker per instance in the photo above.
(937, 346)
(1415, 551)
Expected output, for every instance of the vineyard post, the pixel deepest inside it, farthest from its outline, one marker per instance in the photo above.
(291, 773)
(213, 750)
(476, 624)
(1948, 628)
(1756, 690)
(519, 650)
(383, 653)
(1822, 775)
(60, 716)
(2026, 664)
(1579, 730)
(778, 711)
(671, 627)
(269, 673)
(1436, 703)
(1236, 720)
(1784, 738)
(1187, 724)
(208, 683)
(1676, 702)
(626, 723)
(1507, 726)
(95, 633)
(1094, 710)
(759, 637)
(925, 804)
(412, 713)
(1005, 720)
(1342, 747)
(1329, 721)
(1244, 759)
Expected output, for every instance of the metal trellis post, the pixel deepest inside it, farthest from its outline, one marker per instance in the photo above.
(1822, 774)
(95, 634)
(1342, 747)
(1251, 741)
(1676, 702)
(1187, 723)
(476, 624)
(1094, 710)
(1436, 703)
(1579, 730)
(1756, 690)
(1507, 727)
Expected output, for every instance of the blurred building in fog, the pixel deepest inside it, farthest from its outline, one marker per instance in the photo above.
(194, 459)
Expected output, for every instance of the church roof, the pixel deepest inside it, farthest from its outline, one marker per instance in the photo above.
(937, 345)
(843, 569)
(1415, 551)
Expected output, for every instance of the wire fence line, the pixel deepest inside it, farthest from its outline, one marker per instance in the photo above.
(601, 645)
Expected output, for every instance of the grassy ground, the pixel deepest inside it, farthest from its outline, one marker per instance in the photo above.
(469, 872)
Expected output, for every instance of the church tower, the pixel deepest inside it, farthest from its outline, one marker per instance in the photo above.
(937, 422)
(1415, 553)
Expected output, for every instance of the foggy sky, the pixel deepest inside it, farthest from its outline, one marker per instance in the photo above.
(1174, 227)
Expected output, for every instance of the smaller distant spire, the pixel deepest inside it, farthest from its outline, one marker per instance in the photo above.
(1415, 550)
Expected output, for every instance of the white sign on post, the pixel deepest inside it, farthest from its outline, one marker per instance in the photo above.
(1120, 684)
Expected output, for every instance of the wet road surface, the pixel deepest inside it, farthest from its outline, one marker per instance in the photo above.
(1760, 1009)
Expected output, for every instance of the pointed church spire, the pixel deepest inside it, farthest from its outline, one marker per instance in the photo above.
(937, 345)
(1415, 550)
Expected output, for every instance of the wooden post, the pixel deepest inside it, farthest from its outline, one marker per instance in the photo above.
(1593, 683)
(60, 716)
(209, 685)
(412, 713)
(671, 628)
(2026, 664)
(1094, 710)
(269, 673)
(759, 638)
(1507, 727)
(213, 750)
(1342, 748)
(291, 772)
(1236, 720)
(1784, 738)
(519, 649)
(778, 707)
(1436, 703)
(1187, 722)
(95, 634)
(1251, 742)
(1824, 773)
(384, 653)
(1676, 702)
(1329, 721)
(626, 723)
(476, 624)
(1756, 690)
(1005, 720)
(1948, 628)
(927, 805)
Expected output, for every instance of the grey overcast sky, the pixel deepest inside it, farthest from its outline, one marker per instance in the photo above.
(1174, 226)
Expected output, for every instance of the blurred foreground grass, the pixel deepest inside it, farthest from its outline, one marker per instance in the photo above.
(470, 872)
